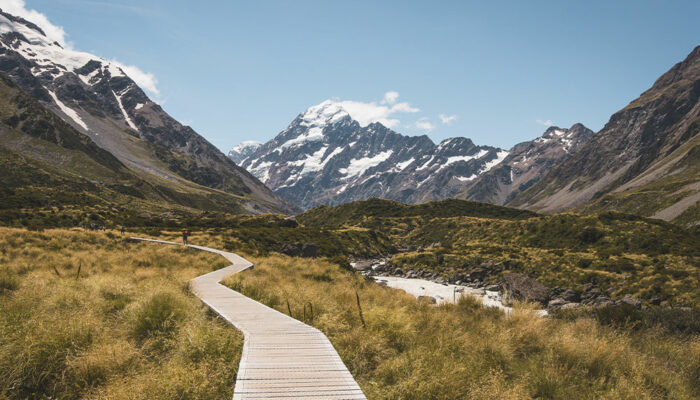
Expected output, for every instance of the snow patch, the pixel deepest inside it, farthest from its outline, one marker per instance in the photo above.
(465, 178)
(499, 157)
(262, 171)
(124, 113)
(402, 165)
(138, 106)
(68, 111)
(358, 166)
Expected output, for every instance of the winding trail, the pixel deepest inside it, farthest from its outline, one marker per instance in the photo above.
(282, 358)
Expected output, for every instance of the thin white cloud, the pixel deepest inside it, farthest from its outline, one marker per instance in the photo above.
(545, 123)
(424, 124)
(390, 97)
(382, 112)
(18, 8)
(145, 80)
(447, 119)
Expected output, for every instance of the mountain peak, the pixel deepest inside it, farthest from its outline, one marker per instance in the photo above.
(325, 113)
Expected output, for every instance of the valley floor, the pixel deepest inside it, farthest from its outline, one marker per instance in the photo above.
(86, 315)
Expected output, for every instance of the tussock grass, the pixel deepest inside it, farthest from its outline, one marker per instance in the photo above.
(412, 350)
(126, 328)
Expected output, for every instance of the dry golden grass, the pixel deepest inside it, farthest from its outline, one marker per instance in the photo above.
(124, 327)
(411, 350)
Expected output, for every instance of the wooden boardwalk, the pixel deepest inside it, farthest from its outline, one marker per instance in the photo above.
(282, 358)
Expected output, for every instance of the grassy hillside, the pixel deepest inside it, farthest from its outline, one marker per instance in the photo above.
(84, 315)
(355, 213)
(411, 350)
(621, 254)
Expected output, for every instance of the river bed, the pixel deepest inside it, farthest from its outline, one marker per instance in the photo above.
(446, 293)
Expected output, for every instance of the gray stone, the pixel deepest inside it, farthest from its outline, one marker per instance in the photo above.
(520, 287)
(628, 299)
(429, 299)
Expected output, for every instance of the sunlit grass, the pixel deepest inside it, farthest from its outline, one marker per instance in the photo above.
(124, 327)
(412, 350)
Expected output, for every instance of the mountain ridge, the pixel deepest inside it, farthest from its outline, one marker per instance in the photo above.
(324, 156)
(645, 160)
(97, 98)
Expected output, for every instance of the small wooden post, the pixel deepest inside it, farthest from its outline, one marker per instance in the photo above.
(80, 265)
(56, 271)
(359, 309)
(289, 309)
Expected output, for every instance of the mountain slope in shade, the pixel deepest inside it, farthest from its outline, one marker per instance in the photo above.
(645, 160)
(98, 99)
(526, 164)
(326, 157)
(45, 162)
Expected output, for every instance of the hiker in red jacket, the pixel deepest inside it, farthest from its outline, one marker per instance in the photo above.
(184, 236)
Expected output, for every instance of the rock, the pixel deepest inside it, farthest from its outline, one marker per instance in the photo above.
(441, 280)
(477, 274)
(520, 287)
(299, 249)
(656, 300)
(556, 304)
(398, 272)
(569, 306)
(570, 296)
(493, 288)
(628, 299)
(362, 265)
(145, 215)
(429, 299)
(603, 301)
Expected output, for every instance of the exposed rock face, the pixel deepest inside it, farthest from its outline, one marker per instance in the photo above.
(645, 160)
(325, 157)
(300, 249)
(100, 100)
(526, 164)
(517, 286)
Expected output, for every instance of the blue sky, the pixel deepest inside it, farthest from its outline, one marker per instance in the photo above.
(237, 70)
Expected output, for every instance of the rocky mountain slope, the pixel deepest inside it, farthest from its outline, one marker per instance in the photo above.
(526, 164)
(99, 100)
(646, 160)
(326, 157)
(48, 166)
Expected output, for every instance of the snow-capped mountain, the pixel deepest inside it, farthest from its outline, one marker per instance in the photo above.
(327, 157)
(100, 100)
(243, 150)
(526, 164)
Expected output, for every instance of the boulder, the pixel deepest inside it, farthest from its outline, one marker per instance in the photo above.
(362, 265)
(556, 304)
(632, 301)
(517, 286)
(299, 249)
(478, 274)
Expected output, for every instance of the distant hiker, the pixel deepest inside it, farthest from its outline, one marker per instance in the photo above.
(184, 236)
(122, 229)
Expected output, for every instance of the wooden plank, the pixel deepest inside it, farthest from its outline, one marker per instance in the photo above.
(282, 358)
